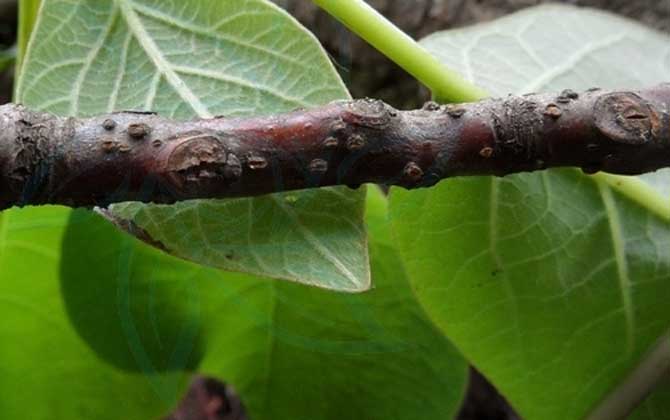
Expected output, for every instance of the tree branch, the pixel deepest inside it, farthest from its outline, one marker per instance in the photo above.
(130, 156)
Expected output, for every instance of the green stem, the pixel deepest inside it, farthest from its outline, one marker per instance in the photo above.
(637, 191)
(361, 18)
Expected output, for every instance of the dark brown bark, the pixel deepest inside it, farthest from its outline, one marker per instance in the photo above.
(131, 156)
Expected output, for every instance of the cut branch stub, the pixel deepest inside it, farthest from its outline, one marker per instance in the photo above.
(627, 118)
(200, 158)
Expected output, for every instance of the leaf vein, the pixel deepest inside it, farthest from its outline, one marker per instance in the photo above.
(159, 60)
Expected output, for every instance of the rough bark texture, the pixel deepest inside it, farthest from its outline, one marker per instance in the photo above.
(369, 73)
(131, 156)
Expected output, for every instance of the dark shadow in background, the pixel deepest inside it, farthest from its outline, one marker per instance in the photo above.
(119, 307)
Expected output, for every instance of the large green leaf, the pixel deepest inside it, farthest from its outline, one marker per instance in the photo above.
(46, 369)
(204, 58)
(100, 325)
(554, 284)
(107, 330)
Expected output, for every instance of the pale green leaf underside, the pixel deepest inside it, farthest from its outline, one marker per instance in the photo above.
(185, 59)
(553, 284)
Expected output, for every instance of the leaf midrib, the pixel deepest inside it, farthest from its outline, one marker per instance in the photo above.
(623, 276)
(321, 249)
(154, 53)
(211, 33)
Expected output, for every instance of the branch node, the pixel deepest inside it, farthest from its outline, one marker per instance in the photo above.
(318, 166)
(413, 172)
(256, 162)
(138, 131)
(625, 117)
(109, 124)
(553, 111)
(355, 142)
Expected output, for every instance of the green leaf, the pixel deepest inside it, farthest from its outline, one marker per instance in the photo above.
(46, 369)
(554, 284)
(28, 10)
(190, 58)
(108, 328)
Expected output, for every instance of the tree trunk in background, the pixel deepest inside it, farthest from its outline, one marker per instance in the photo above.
(369, 74)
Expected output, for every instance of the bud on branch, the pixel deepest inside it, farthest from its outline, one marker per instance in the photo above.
(131, 156)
